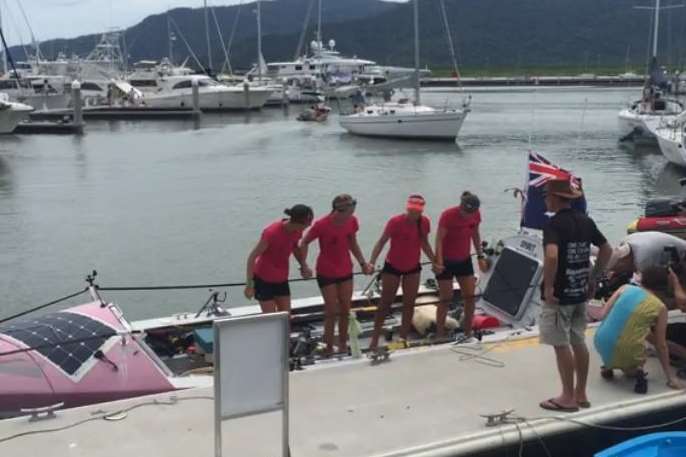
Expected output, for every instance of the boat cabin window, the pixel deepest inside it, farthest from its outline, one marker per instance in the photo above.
(143, 82)
(90, 86)
(183, 85)
(8, 84)
(312, 67)
(298, 68)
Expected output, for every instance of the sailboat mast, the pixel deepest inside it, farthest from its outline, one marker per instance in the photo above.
(259, 40)
(416, 52)
(169, 39)
(207, 36)
(657, 27)
(319, 23)
(4, 51)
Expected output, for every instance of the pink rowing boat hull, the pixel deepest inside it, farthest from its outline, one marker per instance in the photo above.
(37, 378)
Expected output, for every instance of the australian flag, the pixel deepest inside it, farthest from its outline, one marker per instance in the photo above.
(540, 171)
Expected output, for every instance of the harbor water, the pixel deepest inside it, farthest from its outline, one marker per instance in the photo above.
(182, 202)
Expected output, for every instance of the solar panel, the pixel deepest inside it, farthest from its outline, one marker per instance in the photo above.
(67, 339)
(512, 281)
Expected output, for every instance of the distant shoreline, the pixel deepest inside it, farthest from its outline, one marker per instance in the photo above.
(537, 76)
(579, 80)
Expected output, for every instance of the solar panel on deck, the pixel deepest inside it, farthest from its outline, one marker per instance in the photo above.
(67, 339)
(511, 281)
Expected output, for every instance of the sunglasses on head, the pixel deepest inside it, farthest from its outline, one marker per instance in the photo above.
(345, 206)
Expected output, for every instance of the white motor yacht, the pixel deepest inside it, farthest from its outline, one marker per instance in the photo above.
(177, 92)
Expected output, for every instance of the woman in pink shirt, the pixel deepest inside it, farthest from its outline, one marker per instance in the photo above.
(267, 266)
(409, 235)
(458, 230)
(336, 233)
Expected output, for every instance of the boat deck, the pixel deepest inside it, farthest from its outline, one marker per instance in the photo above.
(425, 401)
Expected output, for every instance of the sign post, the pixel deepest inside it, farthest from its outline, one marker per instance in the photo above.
(250, 370)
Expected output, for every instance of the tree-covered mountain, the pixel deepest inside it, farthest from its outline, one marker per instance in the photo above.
(487, 33)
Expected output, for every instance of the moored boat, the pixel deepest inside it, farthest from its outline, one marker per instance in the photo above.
(665, 444)
(12, 113)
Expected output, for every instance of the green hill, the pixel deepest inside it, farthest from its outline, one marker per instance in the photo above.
(490, 34)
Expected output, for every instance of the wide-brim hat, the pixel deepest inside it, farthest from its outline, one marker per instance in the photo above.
(563, 189)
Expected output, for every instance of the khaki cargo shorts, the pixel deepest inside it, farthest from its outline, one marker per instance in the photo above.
(562, 325)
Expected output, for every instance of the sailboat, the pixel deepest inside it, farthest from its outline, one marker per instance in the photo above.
(641, 118)
(404, 119)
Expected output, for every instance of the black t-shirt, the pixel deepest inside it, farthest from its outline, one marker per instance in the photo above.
(573, 232)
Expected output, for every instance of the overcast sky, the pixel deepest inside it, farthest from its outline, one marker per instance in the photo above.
(71, 18)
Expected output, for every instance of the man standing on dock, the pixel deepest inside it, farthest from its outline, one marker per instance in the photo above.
(567, 283)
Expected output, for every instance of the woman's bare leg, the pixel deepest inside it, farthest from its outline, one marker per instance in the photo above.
(389, 289)
(410, 289)
(330, 296)
(345, 296)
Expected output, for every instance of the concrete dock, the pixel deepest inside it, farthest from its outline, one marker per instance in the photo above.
(423, 402)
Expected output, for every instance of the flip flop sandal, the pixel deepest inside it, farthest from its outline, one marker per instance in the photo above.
(552, 405)
(584, 404)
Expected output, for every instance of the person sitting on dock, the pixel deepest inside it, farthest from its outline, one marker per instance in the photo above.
(567, 284)
(267, 265)
(458, 229)
(409, 236)
(632, 316)
(337, 237)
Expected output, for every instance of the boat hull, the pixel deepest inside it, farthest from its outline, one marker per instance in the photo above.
(433, 126)
(224, 100)
(12, 115)
(34, 378)
(666, 444)
(672, 146)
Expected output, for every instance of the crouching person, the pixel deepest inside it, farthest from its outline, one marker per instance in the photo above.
(632, 316)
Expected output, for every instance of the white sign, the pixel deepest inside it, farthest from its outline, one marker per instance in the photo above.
(251, 369)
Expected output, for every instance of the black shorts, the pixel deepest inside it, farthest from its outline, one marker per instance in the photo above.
(323, 281)
(457, 269)
(265, 291)
(676, 333)
(390, 269)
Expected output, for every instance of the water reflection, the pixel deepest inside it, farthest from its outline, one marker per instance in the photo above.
(5, 176)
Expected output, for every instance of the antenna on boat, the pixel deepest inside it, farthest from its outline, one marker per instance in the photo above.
(93, 288)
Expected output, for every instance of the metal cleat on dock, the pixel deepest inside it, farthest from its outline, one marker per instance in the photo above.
(501, 418)
(44, 413)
